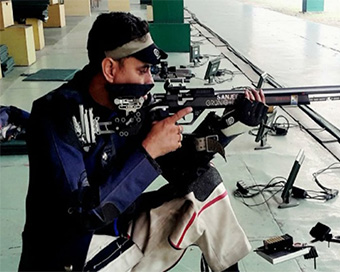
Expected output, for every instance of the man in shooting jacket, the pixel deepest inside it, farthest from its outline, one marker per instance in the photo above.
(93, 152)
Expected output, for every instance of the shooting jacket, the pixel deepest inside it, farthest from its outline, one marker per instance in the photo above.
(74, 191)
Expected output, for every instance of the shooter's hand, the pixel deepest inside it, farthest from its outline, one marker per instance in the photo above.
(255, 95)
(165, 136)
(252, 110)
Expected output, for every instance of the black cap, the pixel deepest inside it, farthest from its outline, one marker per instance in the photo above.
(151, 54)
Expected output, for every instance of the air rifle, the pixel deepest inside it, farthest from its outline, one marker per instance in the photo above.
(176, 97)
(179, 96)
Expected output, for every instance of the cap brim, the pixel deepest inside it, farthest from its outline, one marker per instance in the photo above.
(151, 54)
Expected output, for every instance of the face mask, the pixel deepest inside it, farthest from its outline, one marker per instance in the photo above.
(128, 90)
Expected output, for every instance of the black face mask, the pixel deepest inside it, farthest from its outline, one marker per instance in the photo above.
(127, 90)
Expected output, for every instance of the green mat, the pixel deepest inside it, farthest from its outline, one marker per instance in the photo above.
(52, 75)
(13, 147)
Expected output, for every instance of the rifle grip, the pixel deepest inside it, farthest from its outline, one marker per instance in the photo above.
(159, 114)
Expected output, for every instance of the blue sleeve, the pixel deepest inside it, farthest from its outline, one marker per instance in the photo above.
(131, 181)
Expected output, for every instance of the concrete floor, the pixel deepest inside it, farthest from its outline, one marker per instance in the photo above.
(295, 52)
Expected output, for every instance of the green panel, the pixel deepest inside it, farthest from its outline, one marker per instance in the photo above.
(168, 11)
(312, 5)
(171, 37)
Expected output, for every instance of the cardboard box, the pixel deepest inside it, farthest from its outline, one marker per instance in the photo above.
(20, 42)
(6, 14)
(56, 16)
(77, 7)
(119, 5)
(38, 32)
(149, 13)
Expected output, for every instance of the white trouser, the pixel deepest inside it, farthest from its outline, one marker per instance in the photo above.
(161, 235)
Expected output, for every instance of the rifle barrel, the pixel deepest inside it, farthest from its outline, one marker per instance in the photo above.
(304, 90)
(292, 90)
(274, 96)
(293, 95)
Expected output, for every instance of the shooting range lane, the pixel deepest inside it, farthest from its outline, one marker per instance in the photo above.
(263, 37)
(297, 53)
(294, 51)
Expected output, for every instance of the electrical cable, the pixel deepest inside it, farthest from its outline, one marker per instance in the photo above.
(199, 63)
(326, 193)
(221, 73)
(251, 191)
(280, 129)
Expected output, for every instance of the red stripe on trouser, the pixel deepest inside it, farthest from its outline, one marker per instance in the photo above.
(192, 219)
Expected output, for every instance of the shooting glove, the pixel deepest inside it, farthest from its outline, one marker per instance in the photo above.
(250, 113)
